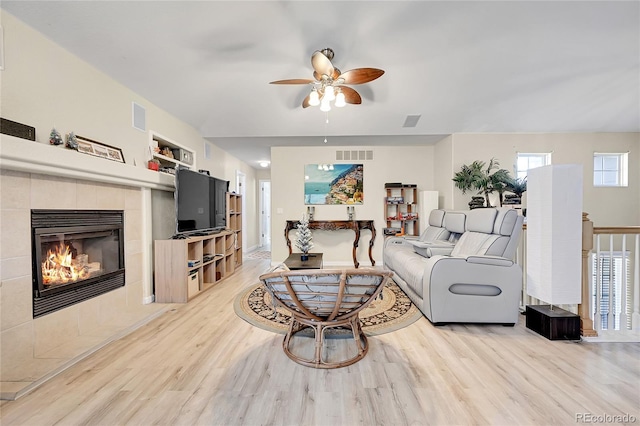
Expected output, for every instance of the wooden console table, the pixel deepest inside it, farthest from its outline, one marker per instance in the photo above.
(332, 225)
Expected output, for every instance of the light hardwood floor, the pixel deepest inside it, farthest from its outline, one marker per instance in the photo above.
(201, 364)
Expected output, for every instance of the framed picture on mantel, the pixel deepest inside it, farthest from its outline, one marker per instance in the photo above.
(333, 184)
(99, 149)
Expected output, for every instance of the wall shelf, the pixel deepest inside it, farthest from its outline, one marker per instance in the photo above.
(157, 141)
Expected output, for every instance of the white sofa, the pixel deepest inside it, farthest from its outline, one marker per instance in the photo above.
(461, 269)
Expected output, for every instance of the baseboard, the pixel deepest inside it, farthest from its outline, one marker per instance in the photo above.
(148, 300)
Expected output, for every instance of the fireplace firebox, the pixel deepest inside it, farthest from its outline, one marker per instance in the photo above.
(76, 255)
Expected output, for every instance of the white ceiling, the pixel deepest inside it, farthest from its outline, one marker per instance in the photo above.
(479, 66)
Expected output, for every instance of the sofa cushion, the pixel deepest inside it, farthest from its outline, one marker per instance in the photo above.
(473, 243)
(433, 233)
(412, 267)
(436, 218)
(455, 222)
(505, 221)
(435, 230)
(394, 253)
(481, 220)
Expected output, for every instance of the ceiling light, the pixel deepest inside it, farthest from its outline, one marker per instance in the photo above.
(314, 99)
(340, 99)
(264, 164)
(329, 93)
(325, 106)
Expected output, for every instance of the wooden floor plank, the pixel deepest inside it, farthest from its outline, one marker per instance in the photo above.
(201, 364)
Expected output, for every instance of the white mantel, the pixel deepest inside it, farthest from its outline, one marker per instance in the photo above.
(34, 157)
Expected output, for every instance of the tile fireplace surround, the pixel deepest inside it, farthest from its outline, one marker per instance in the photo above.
(33, 350)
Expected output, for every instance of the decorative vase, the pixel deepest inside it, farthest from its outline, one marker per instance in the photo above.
(304, 257)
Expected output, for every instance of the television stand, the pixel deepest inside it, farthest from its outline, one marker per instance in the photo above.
(213, 257)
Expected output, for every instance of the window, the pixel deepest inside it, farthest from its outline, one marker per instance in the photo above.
(610, 169)
(531, 161)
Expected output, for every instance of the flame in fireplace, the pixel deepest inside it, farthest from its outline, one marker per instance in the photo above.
(60, 268)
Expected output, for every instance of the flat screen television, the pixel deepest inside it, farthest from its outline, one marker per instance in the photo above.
(201, 202)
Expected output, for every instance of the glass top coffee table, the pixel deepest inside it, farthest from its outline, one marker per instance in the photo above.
(294, 262)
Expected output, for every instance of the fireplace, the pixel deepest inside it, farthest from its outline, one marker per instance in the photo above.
(76, 255)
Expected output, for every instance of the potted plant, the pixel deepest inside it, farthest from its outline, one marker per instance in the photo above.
(482, 177)
(517, 186)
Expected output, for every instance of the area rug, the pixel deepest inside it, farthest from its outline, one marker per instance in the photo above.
(388, 313)
(258, 255)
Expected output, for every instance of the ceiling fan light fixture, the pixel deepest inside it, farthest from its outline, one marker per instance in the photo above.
(340, 99)
(329, 93)
(314, 98)
(325, 105)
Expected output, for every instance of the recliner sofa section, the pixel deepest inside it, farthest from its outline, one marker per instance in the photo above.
(462, 271)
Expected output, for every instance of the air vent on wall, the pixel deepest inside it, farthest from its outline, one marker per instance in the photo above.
(139, 116)
(354, 155)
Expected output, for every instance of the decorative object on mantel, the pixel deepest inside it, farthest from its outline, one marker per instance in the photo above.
(99, 149)
(303, 238)
(72, 142)
(55, 138)
(310, 212)
(153, 165)
(19, 130)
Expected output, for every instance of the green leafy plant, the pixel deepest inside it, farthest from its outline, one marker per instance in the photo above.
(517, 186)
(483, 178)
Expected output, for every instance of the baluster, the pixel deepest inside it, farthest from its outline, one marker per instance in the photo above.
(623, 287)
(597, 308)
(611, 308)
(635, 318)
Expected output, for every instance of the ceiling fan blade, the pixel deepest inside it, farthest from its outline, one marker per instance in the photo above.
(305, 102)
(293, 81)
(350, 95)
(361, 75)
(321, 64)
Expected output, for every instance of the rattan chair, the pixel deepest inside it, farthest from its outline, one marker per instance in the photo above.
(322, 299)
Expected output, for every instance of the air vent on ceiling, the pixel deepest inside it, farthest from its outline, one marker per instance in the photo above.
(354, 155)
(411, 120)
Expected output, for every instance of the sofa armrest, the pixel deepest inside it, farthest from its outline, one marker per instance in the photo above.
(399, 240)
(490, 260)
(430, 249)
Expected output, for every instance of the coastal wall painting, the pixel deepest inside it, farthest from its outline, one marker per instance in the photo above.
(333, 184)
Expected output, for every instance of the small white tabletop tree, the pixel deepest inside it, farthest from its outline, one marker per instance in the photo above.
(303, 237)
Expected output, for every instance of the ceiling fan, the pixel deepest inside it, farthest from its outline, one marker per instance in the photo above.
(329, 83)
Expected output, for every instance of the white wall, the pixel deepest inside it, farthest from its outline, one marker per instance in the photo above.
(45, 86)
(406, 164)
(443, 170)
(606, 206)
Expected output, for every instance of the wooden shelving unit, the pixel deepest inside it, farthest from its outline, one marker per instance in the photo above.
(234, 223)
(178, 281)
(401, 209)
(217, 256)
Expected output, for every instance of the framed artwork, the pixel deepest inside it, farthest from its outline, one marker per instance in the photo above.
(99, 149)
(333, 184)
